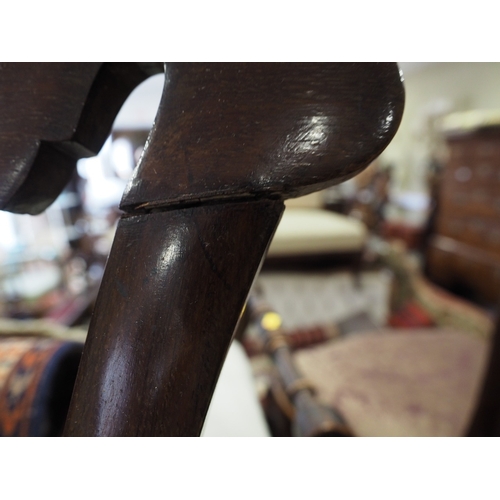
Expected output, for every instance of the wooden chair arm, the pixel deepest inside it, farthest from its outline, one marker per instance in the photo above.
(229, 144)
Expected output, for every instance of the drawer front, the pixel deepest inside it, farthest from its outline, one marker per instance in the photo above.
(464, 272)
(483, 232)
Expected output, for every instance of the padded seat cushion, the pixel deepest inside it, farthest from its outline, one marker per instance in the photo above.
(400, 382)
(304, 231)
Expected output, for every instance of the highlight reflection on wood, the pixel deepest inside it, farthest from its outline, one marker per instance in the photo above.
(172, 293)
(229, 144)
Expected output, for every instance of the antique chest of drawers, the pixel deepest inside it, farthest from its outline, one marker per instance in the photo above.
(464, 252)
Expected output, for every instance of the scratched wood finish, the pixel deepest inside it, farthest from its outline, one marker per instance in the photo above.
(247, 130)
(51, 115)
(224, 135)
(266, 127)
(172, 292)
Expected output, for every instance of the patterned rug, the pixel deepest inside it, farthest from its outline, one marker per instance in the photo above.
(36, 382)
(306, 299)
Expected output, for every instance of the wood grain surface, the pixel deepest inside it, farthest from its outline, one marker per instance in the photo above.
(51, 115)
(173, 290)
(230, 142)
(247, 130)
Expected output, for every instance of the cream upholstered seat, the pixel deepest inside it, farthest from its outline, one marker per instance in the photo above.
(307, 229)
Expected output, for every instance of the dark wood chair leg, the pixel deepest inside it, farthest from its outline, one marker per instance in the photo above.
(230, 143)
(171, 296)
(310, 418)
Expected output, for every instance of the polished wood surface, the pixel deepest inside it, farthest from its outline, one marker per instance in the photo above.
(51, 115)
(250, 130)
(464, 252)
(230, 142)
(174, 287)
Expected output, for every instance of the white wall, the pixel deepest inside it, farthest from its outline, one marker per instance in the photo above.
(139, 110)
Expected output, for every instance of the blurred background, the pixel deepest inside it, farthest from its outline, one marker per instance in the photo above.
(412, 242)
(61, 253)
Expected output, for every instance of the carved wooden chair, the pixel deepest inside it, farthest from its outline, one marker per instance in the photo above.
(230, 143)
